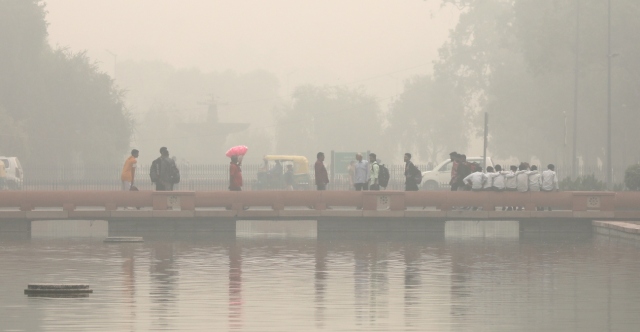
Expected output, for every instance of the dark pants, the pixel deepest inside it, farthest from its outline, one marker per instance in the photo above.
(361, 186)
(374, 187)
(454, 187)
(410, 187)
(321, 186)
(164, 186)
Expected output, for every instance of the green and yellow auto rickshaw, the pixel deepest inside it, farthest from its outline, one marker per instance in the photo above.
(272, 175)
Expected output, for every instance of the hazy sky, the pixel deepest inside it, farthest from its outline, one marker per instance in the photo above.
(372, 43)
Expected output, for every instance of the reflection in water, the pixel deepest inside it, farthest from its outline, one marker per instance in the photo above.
(163, 275)
(321, 272)
(235, 286)
(129, 280)
(370, 281)
(470, 279)
(411, 282)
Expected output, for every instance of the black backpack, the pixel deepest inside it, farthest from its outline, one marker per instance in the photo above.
(383, 175)
(175, 174)
(154, 171)
(417, 175)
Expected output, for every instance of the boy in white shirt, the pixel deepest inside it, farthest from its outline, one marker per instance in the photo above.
(476, 180)
(510, 182)
(549, 181)
(534, 179)
(496, 178)
(488, 184)
(522, 178)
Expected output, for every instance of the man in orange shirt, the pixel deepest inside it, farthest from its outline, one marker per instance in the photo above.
(129, 170)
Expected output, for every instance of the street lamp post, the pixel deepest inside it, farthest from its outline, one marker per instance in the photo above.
(609, 56)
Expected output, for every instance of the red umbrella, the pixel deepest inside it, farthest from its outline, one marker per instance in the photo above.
(239, 150)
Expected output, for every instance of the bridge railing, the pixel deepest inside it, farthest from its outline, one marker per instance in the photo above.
(318, 200)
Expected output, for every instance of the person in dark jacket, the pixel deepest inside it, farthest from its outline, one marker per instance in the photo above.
(410, 171)
(166, 171)
(322, 179)
(463, 171)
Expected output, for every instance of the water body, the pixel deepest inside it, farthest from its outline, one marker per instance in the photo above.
(279, 276)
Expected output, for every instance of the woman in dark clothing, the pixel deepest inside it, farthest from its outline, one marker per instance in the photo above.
(410, 171)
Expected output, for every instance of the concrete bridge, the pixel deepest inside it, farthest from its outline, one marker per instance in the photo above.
(217, 211)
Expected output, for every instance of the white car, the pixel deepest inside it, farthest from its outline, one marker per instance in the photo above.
(14, 172)
(439, 177)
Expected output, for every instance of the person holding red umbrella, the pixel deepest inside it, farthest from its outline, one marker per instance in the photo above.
(235, 174)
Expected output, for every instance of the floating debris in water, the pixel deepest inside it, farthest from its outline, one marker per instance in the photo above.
(118, 239)
(58, 290)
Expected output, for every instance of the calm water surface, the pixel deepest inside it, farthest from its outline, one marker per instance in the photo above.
(281, 276)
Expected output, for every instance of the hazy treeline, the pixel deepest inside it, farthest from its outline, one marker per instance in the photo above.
(55, 106)
(515, 60)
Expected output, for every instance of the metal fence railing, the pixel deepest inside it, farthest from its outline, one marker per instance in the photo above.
(211, 177)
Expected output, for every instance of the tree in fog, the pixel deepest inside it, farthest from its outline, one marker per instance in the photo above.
(328, 118)
(516, 60)
(428, 119)
(56, 106)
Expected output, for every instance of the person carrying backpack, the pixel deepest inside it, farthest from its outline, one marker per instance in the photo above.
(412, 174)
(383, 175)
(464, 169)
(374, 173)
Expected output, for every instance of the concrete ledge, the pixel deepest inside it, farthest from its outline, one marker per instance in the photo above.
(509, 214)
(131, 214)
(425, 214)
(216, 214)
(89, 214)
(635, 215)
(299, 213)
(383, 214)
(13, 215)
(47, 215)
(257, 214)
(173, 214)
(593, 214)
(339, 213)
(551, 214)
(619, 226)
(468, 214)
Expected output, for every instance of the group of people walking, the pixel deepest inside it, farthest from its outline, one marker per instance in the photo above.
(369, 175)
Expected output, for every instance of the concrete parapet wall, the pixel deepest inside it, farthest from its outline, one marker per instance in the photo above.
(188, 204)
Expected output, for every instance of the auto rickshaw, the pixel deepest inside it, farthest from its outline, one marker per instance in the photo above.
(271, 175)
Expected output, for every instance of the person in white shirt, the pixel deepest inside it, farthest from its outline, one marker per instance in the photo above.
(487, 186)
(510, 183)
(476, 180)
(375, 170)
(534, 179)
(361, 176)
(496, 178)
(522, 178)
(550, 179)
